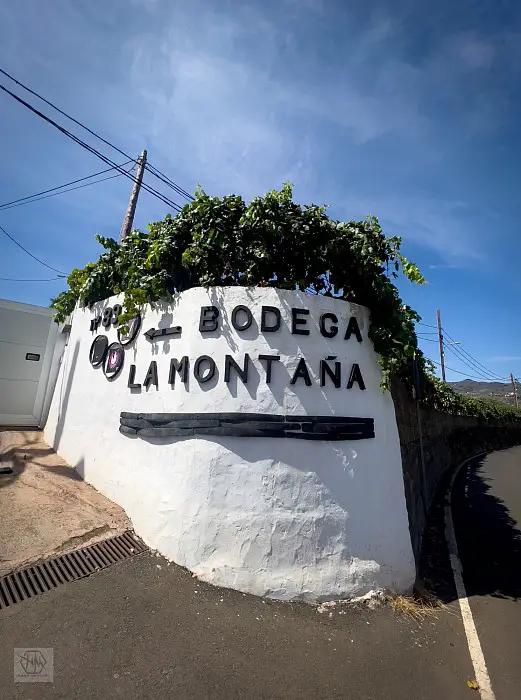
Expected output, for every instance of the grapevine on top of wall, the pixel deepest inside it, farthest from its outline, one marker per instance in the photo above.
(272, 241)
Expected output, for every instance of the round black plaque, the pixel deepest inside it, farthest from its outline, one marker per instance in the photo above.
(98, 349)
(133, 329)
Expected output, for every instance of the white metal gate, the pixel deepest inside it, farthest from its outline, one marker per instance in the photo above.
(27, 350)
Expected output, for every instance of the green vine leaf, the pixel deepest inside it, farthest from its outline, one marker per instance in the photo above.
(273, 241)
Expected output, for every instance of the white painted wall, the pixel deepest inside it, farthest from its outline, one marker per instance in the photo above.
(285, 518)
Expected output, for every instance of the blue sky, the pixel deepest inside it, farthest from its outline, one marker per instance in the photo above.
(407, 110)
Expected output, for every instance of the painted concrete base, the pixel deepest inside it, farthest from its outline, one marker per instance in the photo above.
(289, 519)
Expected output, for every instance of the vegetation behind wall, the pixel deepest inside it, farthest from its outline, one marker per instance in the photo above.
(272, 241)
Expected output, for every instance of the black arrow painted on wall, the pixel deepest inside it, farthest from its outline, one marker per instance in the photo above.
(162, 332)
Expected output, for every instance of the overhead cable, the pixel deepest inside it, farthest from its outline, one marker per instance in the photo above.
(30, 254)
(154, 171)
(15, 279)
(474, 368)
(54, 190)
(92, 150)
(464, 374)
(459, 349)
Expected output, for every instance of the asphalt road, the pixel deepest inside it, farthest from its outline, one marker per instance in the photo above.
(143, 629)
(487, 520)
(139, 631)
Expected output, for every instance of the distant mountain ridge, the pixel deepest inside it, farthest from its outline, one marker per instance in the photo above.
(498, 391)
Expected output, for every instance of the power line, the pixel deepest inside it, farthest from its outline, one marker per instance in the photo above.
(429, 340)
(464, 374)
(13, 279)
(154, 171)
(467, 359)
(461, 357)
(30, 254)
(36, 196)
(472, 359)
(472, 367)
(164, 178)
(70, 189)
(92, 150)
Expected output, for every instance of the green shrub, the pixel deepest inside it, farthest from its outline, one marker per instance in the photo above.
(270, 242)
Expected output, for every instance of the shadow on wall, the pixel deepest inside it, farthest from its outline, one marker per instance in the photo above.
(314, 401)
(65, 391)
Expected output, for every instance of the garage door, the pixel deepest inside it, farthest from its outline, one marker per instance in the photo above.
(27, 341)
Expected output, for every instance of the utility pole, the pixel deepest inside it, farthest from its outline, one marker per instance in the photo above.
(442, 352)
(131, 210)
(515, 389)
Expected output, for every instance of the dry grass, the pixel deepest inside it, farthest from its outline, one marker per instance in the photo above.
(416, 608)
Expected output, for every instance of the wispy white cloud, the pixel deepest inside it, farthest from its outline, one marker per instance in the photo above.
(244, 100)
(245, 110)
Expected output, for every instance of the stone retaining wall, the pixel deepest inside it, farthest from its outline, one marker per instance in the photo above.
(447, 441)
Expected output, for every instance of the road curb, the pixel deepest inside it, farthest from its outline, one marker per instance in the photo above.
(476, 652)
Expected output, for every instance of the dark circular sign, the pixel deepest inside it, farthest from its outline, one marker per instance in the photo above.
(98, 349)
(133, 328)
(114, 358)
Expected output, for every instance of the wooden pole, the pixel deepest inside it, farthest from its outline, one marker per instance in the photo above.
(131, 209)
(515, 389)
(440, 338)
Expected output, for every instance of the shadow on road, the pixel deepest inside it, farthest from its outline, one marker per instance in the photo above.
(488, 537)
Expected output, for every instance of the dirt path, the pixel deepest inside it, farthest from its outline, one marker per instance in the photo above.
(45, 506)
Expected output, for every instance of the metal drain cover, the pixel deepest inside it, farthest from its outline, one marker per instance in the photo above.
(80, 563)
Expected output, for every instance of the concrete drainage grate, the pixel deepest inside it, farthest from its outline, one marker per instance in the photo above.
(40, 578)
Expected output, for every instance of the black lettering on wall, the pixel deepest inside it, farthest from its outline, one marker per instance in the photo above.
(269, 359)
(131, 377)
(180, 367)
(265, 328)
(297, 321)
(229, 362)
(301, 372)
(151, 377)
(208, 319)
(198, 370)
(107, 317)
(355, 376)
(249, 318)
(332, 330)
(352, 327)
(326, 369)
(116, 313)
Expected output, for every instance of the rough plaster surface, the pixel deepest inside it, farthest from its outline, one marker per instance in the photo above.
(284, 518)
(45, 507)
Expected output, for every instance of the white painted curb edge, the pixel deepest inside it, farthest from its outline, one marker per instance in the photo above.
(474, 645)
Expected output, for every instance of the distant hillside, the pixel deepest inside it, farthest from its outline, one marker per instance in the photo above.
(493, 390)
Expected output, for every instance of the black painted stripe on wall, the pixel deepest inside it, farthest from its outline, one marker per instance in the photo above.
(149, 425)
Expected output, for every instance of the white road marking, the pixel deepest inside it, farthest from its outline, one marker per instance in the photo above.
(474, 645)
